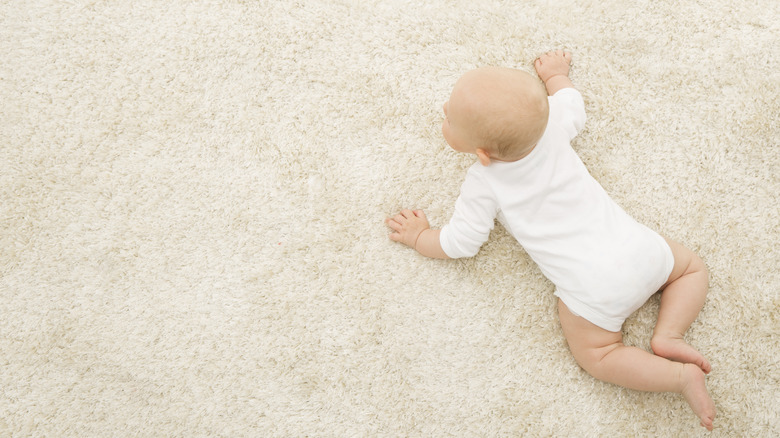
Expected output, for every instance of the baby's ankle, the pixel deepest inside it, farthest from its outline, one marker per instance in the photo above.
(690, 374)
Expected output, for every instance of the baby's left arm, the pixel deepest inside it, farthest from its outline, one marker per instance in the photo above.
(413, 230)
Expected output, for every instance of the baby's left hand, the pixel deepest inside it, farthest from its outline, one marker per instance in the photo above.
(407, 226)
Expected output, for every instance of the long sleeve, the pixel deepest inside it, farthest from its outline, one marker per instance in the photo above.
(568, 109)
(472, 220)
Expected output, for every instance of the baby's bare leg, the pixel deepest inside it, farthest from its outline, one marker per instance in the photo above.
(602, 354)
(681, 302)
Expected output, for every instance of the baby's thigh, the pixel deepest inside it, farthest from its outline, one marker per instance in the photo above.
(587, 341)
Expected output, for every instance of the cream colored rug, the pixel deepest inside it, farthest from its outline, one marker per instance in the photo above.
(192, 197)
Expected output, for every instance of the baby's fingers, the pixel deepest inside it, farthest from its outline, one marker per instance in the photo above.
(407, 213)
(393, 224)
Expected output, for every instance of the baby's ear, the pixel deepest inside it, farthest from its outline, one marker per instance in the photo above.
(484, 157)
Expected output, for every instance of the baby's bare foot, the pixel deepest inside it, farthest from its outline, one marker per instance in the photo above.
(678, 350)
(695, 392)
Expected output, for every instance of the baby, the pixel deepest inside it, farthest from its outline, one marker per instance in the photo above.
(603, 263)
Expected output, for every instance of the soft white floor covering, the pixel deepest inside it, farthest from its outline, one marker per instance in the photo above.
(192, 197)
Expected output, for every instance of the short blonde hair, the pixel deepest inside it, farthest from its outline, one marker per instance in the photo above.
(509, 110)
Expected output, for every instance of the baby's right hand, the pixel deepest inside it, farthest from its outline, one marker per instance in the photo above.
(407, 226)
(553, 64)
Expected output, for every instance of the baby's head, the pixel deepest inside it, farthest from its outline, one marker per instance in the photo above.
(496, 113)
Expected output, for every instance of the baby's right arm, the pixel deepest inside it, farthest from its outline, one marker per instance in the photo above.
(553, 70)
(412, 229)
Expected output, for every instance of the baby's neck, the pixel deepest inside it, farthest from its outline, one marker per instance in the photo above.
(524, 154)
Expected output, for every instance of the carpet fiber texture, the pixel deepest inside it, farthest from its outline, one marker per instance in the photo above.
(192, 196)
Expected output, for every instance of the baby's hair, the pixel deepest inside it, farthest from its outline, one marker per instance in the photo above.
(511, 113)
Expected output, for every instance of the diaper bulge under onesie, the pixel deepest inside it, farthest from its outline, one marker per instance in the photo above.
(617, 278)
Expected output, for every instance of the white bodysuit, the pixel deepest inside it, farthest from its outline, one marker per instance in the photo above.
(604, 263)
